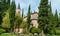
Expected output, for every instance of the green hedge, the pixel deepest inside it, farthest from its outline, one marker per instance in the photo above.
(34, 30)
(57, 32)
(2, 31)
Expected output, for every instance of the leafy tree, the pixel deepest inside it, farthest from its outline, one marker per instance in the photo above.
(18, 20)
(6, 22)
(12, 15)
(3, 8)
(43, 15)
(24, 25)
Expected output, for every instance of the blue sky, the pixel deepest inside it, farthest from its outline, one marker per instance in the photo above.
(35, 3)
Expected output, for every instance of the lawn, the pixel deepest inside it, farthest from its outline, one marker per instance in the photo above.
(6, 34)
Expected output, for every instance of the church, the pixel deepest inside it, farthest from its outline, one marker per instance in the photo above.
(34, 17)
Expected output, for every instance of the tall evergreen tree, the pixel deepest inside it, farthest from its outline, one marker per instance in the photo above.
(22, 12)
(43, 15)
(55, 22)
(56, 18)
(28, 19)
(3, 8)
(51, 20)
(8, 4)
(56, 15)
(3, 5)
(12, 14)
(58, 25)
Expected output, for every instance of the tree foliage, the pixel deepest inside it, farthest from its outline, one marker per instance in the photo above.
(4, 5)
(43, 14)
(6, 22)
(29, 17)
(12, 14)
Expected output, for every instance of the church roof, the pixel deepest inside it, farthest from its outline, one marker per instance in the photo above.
(18, 6)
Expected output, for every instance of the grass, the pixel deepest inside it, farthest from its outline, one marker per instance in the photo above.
(8, 34)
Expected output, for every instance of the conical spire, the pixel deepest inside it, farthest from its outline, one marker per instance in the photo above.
(19, 6)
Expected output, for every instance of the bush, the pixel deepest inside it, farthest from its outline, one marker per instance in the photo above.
(57, 32)
(2, 31)
(49, 31)
(34, 30)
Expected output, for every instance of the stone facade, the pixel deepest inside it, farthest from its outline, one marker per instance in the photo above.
(34, 17)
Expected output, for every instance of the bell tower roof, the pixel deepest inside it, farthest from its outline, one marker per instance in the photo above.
(19, 6)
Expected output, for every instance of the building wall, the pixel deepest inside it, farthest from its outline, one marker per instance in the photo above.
(35, 24)
(20, 30)
(34, 17)
(18, 11)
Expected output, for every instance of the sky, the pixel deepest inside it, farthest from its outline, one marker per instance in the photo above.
(35, 3)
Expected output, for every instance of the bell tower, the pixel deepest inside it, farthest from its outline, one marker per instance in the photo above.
(18, 10)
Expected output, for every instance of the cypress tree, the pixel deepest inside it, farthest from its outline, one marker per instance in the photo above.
(58, 25)
(29, 17)
(0, 13)
(56, 15)
(43, 15)
(8, 4)
(55, 22)
(12, 15)
(22, 13)
(56, 18)
(3, 8)
(51, 20)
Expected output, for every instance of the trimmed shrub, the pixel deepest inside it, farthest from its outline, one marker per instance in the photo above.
(34, 30)
(2, 31)
(57, 32)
